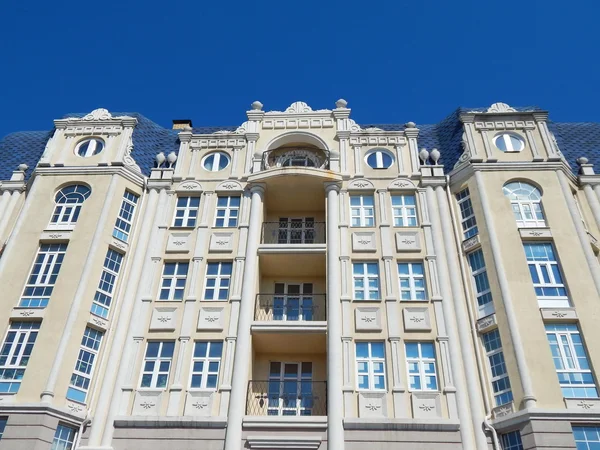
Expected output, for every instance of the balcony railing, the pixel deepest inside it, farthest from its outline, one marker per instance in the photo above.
(290, 307)
(292, 232)
(295, 157)
(287, 398)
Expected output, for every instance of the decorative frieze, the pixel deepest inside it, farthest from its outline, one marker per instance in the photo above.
(55, 236)
(503, 410)
(98, 322)
(119, 245)
(361, 184)
(163, 318)
(364, 241)
(426, 405)
(230, 186)
(211, 319)
(372, 404)
(294, 123)
(408, 241)
(147, 403)
(367, 319)
(198, 403)
(583, 404)
(486, 323)
(535, 233)
(564, 314)
(178, 243)
(416, 319)
(33, 314)
(188, 186)
(221, 242)
(506, 125)
(402, 184)
(471, 244)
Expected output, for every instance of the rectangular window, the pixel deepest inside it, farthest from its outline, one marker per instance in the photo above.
(404, 210)
(362, 210)
(3, 421)
(186, 211)
(125, 217)
(587, 437)
(500, 381)
(420, 358)
(366, 280)
(64, 438)
(370, 365)
(84, 367)
(15, 354)
(172, 284)
(218, 279)
(468, 222)
(481, 283)
(157, 364)
(571, 361)
(108, 279)
(205, 364)
(43, 276)
(412, 281)
(546, 275)
(511, 441)
(228, 211)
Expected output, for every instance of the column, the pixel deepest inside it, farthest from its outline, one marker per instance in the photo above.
(237, 403)
(4, 202)
(470, 367)
(449, 346)
(122, 325)
(592, 199)
(8, 212)
(357, 162)
(335, 398)
(579, 228)
(184, 149)
(529, 399)
(48, 392)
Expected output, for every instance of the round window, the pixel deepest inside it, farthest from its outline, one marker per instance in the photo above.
(89, 147)
(216, 161)
(508, 142)
(379, 159)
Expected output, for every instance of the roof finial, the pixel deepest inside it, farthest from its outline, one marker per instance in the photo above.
(257, 106)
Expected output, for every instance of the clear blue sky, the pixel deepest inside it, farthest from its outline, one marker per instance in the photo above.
(393, 61)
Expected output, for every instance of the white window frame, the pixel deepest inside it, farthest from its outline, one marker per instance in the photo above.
(421, 361)
(523, 204)
(91, 150)
(402, 212)
(564, 338)
(587, 438)
(300, 379)
(64, 438)
(412, 277)
(156, 368)
(108, 279)
(206, 360)
(546, 266)
(365, 220)
(216, 161)
(173, 288)
(229, 220)
(464, 197)
(16, 351)
(50, 265)
(365, 276)
(119, 232)
(511, 440)
(218, 277)
(491, 354)
(487, 308)
(283, 298)
(378, 152)
(508, 144)
(370, 361)
(91, 353)
(67, 212)
(190, 212)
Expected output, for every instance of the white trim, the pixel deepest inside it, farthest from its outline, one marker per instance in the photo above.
(217, 159)
(364, 219)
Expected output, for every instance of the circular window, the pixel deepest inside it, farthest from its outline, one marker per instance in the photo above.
(379, 159)
(216, 161)
(508, 142)
(89, 147)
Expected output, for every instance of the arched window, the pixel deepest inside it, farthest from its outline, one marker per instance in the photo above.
(68, 204)
(526, 202)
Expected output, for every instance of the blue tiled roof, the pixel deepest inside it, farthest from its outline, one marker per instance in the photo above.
(149, 138)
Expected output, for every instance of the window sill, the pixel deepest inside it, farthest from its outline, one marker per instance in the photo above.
(190, 227)
(379, 300)
(414, 301)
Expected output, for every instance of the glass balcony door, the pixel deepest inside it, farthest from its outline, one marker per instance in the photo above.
(290, 389)
(296, 230)
(293, 302)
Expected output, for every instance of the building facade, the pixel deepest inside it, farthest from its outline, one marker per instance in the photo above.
(301, 282)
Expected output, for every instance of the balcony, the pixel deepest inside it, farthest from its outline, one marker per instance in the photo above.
(290, 309)
(296, 157)
(293, 397)
(294, 232)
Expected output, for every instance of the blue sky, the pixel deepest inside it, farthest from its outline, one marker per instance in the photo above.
(393, 61)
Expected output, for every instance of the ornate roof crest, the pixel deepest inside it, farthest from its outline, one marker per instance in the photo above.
(298, 108)
(500, 108)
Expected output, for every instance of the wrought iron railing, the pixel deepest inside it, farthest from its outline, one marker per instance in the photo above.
(286, 398)
(295, 157)
(290, 307)
(292, 232)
